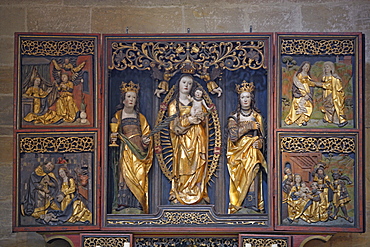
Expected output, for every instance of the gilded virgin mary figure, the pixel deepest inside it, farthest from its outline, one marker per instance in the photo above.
(302, 102)
(189, 139)
(245, 159)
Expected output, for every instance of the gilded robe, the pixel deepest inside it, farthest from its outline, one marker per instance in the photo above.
(40, 112)
(135, 159)
(65, 105)
(297, 205)
(318, 209)
(333, 104)
(244, 160)
(190, 157)
(301, 106)
(74, 208)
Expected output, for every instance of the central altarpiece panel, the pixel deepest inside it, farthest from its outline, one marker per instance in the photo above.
(187, 111)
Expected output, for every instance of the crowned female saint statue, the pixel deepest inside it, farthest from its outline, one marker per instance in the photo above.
(245, 160)
(131, 130)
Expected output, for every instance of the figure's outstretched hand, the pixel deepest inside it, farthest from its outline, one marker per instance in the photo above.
(158, 92)
(257, 144)
(258, 125)
(145, 140)
(217, 91)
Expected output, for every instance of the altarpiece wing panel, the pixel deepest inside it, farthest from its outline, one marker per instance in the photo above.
(56, 132)
(319, 144)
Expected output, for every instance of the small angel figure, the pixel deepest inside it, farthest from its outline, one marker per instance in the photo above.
(198, 103)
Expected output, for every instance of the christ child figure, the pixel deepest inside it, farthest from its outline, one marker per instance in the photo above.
(304, 191)
(198, 104)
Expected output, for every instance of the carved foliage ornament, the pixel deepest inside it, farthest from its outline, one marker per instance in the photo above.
(57, 48)
(317, 47)
(56, 144)
(181, 241)
(170, 56)
(105, 241)
(313, 144)
(265, 242)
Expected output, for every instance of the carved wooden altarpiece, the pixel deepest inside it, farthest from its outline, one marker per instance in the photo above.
(87, 164)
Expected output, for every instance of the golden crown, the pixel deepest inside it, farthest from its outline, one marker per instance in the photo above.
(245, 87)
(188, 67)
(126, 87)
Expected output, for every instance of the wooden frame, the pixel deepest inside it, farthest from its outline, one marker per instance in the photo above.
(345, 52)
(45, 130)
(157, 61)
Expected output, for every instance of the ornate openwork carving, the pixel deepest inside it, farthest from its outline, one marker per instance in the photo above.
(73, 144)
(105, 241)
(181, 241)
(202, 216)
(171, 55)
(57, 47)
(316, 144)
(265, 242)
(317, 47)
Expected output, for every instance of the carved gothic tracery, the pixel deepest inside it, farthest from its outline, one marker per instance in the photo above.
(316, 144)
(317, 47)
(171, 55)
(56, 144)
(57, 48)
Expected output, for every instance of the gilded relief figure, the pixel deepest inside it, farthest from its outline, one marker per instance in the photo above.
(65, 105)
(319, 175)
(320, 210)
(245, 160)
(340, 195)
(41, 193)
(189, 139)
(297, 205)
(67, 65)
(302, 90)
(131, 128)
(333, 96)
(40, 110)
(317, 209)
(287, 181)
(73, 209)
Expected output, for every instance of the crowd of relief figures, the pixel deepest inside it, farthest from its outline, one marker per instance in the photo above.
(320, 195)
(318, 94)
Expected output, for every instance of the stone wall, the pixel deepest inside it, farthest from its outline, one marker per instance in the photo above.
(163, 16)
